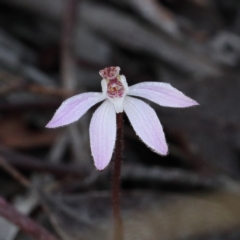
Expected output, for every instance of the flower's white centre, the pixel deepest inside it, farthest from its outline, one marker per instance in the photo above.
(114, 86)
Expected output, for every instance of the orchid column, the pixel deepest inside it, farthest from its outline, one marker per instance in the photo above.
(104, 130)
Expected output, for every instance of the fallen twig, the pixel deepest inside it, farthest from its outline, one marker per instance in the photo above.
(15, 174)
(21, 107)
(26, 224)
(24, 162)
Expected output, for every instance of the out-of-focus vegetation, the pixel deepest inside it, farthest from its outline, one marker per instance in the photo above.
(50, 50)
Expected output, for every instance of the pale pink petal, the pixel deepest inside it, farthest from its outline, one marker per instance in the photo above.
(146, 124)
(73, 108)
(103, 134)
(161, 93)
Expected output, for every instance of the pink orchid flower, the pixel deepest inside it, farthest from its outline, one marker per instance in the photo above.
(116, 93)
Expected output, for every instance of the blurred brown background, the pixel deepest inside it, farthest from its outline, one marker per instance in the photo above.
(53, 49)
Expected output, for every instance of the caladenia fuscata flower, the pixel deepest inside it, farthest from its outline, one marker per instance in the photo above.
(117, 97)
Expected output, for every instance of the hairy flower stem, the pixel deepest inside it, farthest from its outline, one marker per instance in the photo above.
(116, 180)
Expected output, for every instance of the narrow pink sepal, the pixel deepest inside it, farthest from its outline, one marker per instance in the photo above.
(161, 93)
(73, 108)
(103, 134)
(146, 124)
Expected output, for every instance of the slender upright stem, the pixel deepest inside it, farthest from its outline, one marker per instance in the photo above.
(67, 59)
(116, 181)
